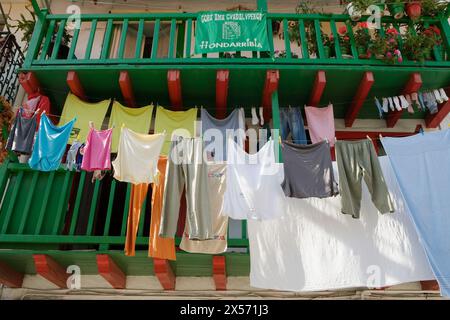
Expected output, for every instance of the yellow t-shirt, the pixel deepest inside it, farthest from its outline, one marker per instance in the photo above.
(136, 119)
(85, 112)
(182, 123)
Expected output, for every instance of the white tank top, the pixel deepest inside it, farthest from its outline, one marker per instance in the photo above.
(253, 189)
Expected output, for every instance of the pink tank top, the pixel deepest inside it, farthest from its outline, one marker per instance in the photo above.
(97, 151)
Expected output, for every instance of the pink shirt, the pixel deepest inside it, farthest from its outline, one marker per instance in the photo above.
(321, 124)
(97, 151)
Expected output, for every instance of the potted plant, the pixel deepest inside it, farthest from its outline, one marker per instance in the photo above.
(328, 43)
(362, 39)
(344, 41)
(386, 48)
(413, 9)
(433, 8)
(26, 26)
(418, 46)
(396, 8)
(356, 8)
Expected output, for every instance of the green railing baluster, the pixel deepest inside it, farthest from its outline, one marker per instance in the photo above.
(58, 40)
(61, 203)
(270, 35)
(352, 40)
(36, 39)
(154, 54)
(436, 49)
(173, 26)
(303, 39)
(399, 38)
(73, 43)
(321, 52)
(139, 36)
(91, 39)
(93, 208)
(445, 34)
(142, 218)
(48, 39)
(337, 45)
(123, 39)
(76, 208)
(28, 200)
(107, 40)
(244, 229)
(188, 38)
(276, 123)
(287, 41)
(12, 201)
(112, 192)
(180, 40)
(48, 189)
(125, 211)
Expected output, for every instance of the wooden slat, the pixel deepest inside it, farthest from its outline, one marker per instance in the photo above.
(91, 39)
(12, 201)
(123, 39)
(220, 273)
(112, 192)
(48, 189)
(62, 205)
(125, 211)
(76, 209)
(50, 270)
(29, 198)
(303, 39)
(10, 277)
(351, 35)
(111, 272)
(188, 38)
(155, 40)
(321, 53)
(270, 33)
(48, 39)
(93, 208)
(58, 40)
(287, 42)
(73, 44)
(173, 26)
(361, 94)
(139, 36)
(107, 40)
(337, 45)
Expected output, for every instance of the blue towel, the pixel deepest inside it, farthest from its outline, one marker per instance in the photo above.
(422, 166)
(50, 145)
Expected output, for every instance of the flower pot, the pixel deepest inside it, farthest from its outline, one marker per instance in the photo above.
(354, 14)
(414, 10)
(326, 50)
(397, 10)
(362, 52)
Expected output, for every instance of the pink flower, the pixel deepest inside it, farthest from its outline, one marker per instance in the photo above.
(392, 31)
(397, 52)
(389, 55)
(391, 40)
(400, 59)
(342, 30)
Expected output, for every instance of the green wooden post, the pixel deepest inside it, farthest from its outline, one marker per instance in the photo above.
(287, 41)
(28, 200)
(73, 43)
(337, 45)
(112, 192)
(180, 40)
(269, 34)
(91, 39)
(93, 208)
(139, 36)
(12, 201)
(154, 54)
(321, 52)
(36, 39)
(62, 205)
(352, 40)
(142, 218)
(76, 208)
(4, 175)
(107, 40)
(303, 40)
(123, 39)
(276, 124)
(48, 189)
(48, 39)
(58, 40)
(125, 211)
(173, 26)
(188, 38)
(445, 33)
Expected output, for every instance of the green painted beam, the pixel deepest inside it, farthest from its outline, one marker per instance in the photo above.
(12, 201)
(59, 39)
(125, 210)
(36, 39)
(155, 40)
(48, 39)
(107, 40)
(139, 36)
(76, 209)
(123, 39)
(93, 208)
(29, 197)
(90, 42)
(62, 204)
(45, 197)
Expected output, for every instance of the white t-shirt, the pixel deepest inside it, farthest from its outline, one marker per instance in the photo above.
(253, 189)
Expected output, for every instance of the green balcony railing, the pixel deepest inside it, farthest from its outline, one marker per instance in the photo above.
(65, 210)
(168, 38)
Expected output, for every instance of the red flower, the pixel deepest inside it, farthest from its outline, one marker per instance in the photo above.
(392, 31)
(346, 38)
(342, 30)
(363, 25)
(435, 30)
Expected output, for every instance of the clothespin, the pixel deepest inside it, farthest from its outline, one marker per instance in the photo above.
(91, 124)
(380, 136)
(368, 137)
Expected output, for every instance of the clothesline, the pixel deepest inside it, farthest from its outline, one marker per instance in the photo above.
(335, 103)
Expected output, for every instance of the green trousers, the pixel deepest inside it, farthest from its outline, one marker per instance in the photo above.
(357, 160)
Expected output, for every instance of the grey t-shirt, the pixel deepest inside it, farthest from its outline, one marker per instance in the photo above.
(308, 171)
(21, 137)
